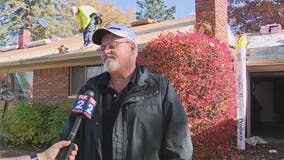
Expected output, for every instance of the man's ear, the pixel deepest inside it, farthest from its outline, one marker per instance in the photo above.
(133, 47)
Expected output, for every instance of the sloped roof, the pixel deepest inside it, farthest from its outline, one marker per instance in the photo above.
(48, 56)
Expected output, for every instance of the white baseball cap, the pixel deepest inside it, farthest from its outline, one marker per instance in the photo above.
(117, 29)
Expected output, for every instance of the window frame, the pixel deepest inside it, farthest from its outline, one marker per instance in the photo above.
(85, 67)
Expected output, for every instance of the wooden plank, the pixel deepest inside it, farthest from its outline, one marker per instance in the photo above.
(3, 153)
(265, 65)
(143, 22)
(271, 68)
(10, 105)
(2, 108)
(248, 107)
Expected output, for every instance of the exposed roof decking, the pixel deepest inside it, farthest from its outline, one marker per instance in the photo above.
(266, 53)
(47, 56)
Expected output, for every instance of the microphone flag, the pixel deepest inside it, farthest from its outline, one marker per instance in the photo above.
(84, 104)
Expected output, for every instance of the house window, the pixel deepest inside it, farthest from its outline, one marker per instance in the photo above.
(80, 75)
(19, 86)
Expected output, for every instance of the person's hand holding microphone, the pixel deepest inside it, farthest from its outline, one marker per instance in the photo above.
(84, 107)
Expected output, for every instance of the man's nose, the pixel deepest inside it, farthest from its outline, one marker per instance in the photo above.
(107, 50)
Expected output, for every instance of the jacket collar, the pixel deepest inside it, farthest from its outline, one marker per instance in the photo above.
(141, 76)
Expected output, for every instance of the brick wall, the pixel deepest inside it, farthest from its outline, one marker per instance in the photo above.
(51, 86)
(212, 17)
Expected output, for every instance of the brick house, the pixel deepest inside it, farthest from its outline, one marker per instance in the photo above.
(57, 76)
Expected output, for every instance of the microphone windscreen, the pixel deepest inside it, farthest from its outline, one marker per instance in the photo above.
(90, 93)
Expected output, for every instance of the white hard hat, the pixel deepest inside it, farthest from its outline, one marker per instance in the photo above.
(74, 10)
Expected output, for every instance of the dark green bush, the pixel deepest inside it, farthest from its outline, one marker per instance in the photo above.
(35, 124)
(4, 139)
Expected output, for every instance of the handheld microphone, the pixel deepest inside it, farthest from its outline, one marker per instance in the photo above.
(84, 106)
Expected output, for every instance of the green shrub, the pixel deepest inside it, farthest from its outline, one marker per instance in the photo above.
(200, 69)
(35, 124)
(4, 139)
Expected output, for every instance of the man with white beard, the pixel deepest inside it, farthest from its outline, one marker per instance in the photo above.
(138, 113)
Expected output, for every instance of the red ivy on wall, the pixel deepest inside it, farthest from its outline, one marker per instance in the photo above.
(200, 69)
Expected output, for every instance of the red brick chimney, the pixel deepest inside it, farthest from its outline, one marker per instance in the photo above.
(25, 37)
(212, 18)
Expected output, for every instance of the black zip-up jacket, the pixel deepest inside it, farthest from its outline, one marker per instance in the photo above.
(150, 125)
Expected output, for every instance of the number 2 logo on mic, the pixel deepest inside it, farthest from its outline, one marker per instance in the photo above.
(84, 104)
(89, 108)
(78, 106)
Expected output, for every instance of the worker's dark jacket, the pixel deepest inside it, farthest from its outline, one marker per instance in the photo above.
(151, 124)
